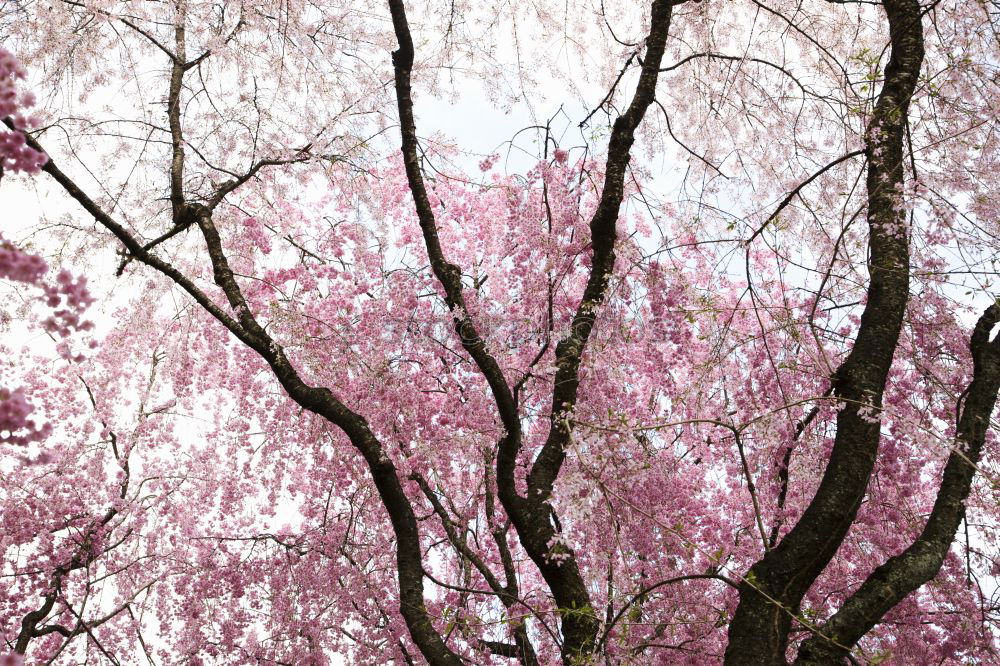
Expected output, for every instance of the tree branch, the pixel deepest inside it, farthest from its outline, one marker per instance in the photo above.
(920, 562)
(773, 589)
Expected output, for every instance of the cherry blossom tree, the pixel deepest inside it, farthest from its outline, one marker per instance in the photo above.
(711, 379)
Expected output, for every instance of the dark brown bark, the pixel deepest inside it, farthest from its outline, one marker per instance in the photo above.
(85, 555)
(773, 588)
(532, 516)
(29, 623)
(919, 563)
(174, 116)
(319, 400)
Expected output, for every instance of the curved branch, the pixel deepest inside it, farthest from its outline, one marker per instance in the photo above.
(791, 195)
(775, 585)
(900, 575)
(638, 596)
(319, 400)
(531, 516)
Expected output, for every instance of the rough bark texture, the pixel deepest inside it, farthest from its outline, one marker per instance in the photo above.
(532, 516)
(319, 400)
(773, 589)
(919, 563)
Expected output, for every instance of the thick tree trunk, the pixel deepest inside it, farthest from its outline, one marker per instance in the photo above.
(773, 588)
(919, 563)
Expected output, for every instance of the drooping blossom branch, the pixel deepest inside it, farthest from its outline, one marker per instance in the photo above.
(67, 297)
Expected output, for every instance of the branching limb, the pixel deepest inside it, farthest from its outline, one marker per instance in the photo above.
(318, 400)
(532, 516)
(798, 188)
(900, 575)
(773, 589)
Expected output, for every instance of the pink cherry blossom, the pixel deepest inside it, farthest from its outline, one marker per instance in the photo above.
(703, 371)
(15, 154)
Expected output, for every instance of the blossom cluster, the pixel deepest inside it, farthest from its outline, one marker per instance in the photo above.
(20, 266)
(72, 293)
(16, 426)
(15, 154)
(67, 296)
